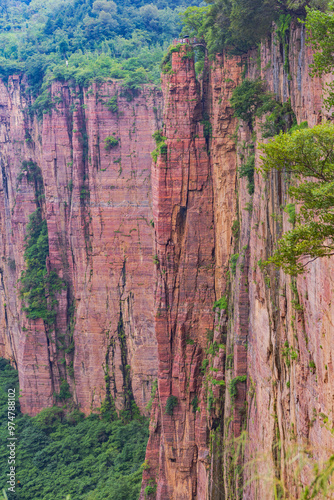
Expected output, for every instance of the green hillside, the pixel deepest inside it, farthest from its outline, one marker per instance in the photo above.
(99, 39)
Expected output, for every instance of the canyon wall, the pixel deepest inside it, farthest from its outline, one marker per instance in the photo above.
(98, 208)
(159, 261)
(256, 390)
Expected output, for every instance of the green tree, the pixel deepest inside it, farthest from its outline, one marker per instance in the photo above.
(239, 25)
(320, 31)
(308, 157)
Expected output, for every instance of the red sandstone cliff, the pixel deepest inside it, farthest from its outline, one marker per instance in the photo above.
(139, 300)
(284, 405)
(98, 209)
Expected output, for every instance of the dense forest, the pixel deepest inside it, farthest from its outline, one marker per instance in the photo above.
(99, 39)
(85, 40)
(61, 453)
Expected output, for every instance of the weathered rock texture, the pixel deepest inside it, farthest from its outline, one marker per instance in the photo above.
(242, 372)
(183, 217)
(288, 400)
(99, 214)
(146, 249)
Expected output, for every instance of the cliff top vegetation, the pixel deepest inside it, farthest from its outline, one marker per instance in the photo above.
(98, 39)
(240, 25)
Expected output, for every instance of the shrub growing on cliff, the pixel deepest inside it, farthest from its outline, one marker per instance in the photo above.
(161, 148)
(320, 30)
(110, 142)
(247, 170)
(172, 401)
(308, 157)
(221, 303)
(112, 104)
(233, 387)
(250, 99)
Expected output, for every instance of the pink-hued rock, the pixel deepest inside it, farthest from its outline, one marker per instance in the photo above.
(145, 247)
(184, 226)
(99, 211)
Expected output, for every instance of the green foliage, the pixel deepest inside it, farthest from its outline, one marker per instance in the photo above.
(110, 142)
(135, 79)
(236, 228)
(153, 394)
(161, 148)
(43, 104)
(320, 31)
(239, 25)
(209, 335)
(281, 119)
(321, 484)
(308, 156)
(60, 453)
(34, 176)
(194, 404)
(233, 389)
(207, 127)
(99, 39)
(250, 99)
(150, 489)
(233, 262)
(213, 349)
(112, 104)
(205, 364)
(289, 354)
(166, 63)
(39, 286)
(221, 303)
(295, 127)
(282, 30)
(172, 401)
(290, 209)
(247, 170)
(64, 392)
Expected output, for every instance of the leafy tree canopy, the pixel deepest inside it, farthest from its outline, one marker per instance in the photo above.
(308, 156)
(241, 24)
(320, 30)
(60, 454)
(38, 36)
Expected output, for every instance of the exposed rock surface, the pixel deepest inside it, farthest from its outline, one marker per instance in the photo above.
(147, 248)
(284, 402)
(98, 209)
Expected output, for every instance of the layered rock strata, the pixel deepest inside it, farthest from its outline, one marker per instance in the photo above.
(98, 210)
(160, 262)
(246, 378)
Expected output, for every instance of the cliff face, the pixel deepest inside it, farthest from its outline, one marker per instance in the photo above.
(98, 210)
(241, 374)
(291, 399)
(160, 261)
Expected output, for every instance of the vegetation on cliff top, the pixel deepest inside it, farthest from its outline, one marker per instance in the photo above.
(99, 39)
(307, 157)
(241, 24)
(58, 455)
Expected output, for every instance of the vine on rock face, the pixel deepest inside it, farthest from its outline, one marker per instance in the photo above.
(161, 148)
(233, 389)
(38, 285)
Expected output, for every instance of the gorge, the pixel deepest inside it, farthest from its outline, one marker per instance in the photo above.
(157, 262)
